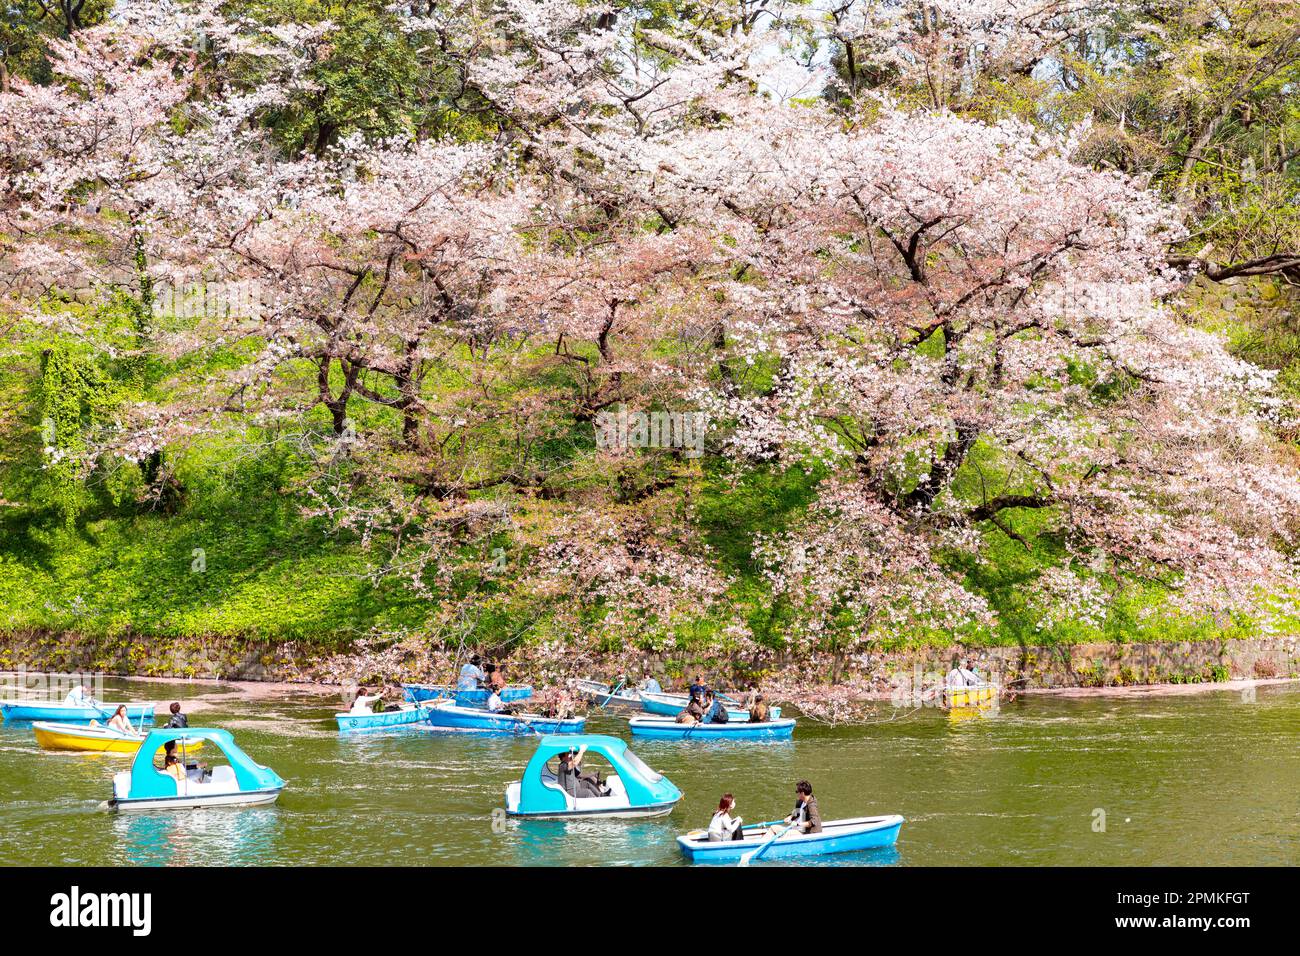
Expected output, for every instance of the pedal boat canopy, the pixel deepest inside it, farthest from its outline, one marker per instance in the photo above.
(145, 786)
(636, 789)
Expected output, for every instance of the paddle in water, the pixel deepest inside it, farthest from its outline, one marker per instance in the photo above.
(753, 855)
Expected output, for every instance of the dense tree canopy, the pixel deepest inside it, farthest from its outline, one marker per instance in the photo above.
(940, 265)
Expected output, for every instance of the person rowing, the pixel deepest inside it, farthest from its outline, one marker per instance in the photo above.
(120, 722)
(495, 703)
(724, 826)
(957, 676)
(807, 816)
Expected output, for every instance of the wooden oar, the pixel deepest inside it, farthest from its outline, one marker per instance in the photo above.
(753, 855)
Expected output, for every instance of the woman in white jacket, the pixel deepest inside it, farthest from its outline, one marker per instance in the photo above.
(724, 826)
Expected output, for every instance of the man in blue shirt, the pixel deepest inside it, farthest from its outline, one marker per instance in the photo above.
(471, 675)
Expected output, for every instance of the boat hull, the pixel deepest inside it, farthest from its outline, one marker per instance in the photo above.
(670, 705)
(58, 711)
(418, 693)
(626, 813)
(351, 723)
(255, 798)
(599, 693)
(455, 717)
(978, 696)
(89, 739)
(661, 729)
(837, 836)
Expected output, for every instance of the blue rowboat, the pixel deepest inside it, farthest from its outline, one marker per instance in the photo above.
(670, 705)
(240, 782)
(634, 789)
(416, 693)
(451, 716)
(60, 710)
(837, 836)
(663, 729)
(406, 714)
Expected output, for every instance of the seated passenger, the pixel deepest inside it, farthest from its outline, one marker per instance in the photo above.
(724, 826)
(120, 722)
(649, 686)
(759, 713)
(172, 767)
(714, 710)
(574, 781)
(955, 677)
(693, 714)
(79, 696)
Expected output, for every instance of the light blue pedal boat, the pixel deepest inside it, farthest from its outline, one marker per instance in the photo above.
(417, 693)
(670, 705)
(61, 710)
(662, 728)
(405, 714)
(837, 836)
(449, 716)
(241, 782)
(634, 789)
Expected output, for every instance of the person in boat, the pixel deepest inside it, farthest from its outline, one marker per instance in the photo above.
(807, 816)
(495, 704)
(471, 675)
(955, 677)
(724, 826)
(649, 685)
(172, 767)
(759, 712)
(365, 703)
(574, 781)
(177, 721)
(969, 675)
(496, 678)
(120, 722)
(694, 712)
(194, 769)
(79, 697)
(714, 711)
(698, 687)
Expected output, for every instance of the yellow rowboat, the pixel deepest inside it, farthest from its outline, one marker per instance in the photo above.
(95, 738)
(978, 695)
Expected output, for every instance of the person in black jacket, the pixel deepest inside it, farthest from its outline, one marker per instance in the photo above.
(178, 720)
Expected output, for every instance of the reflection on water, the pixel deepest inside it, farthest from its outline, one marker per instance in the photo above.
(215, 836)
(1014, 786)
